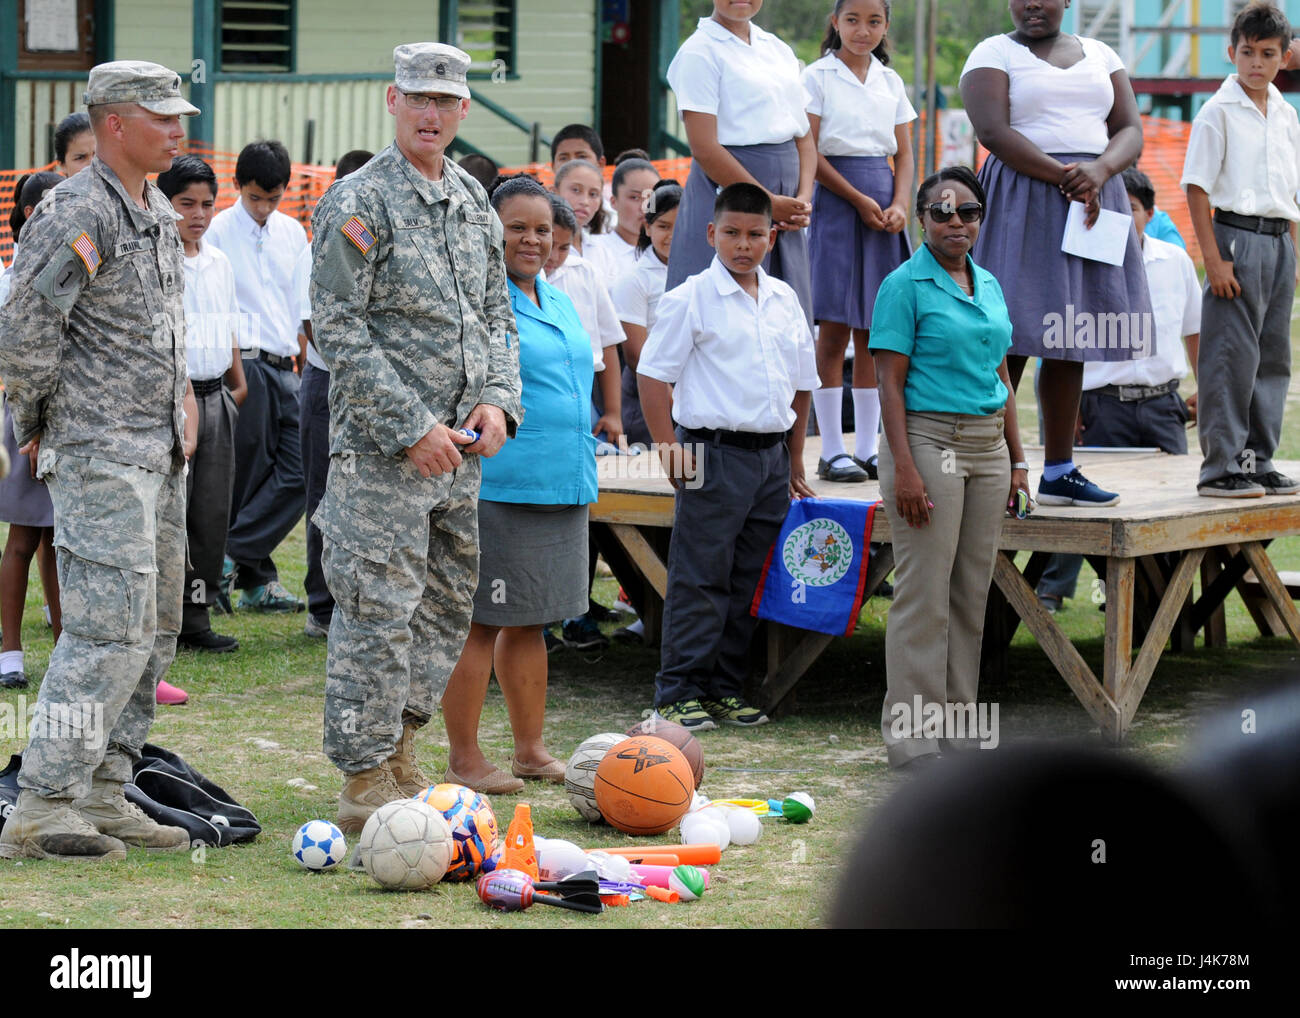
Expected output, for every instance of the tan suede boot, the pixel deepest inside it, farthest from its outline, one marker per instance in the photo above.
(406, 770)
(363, 793)
(109, 811)
(40, 828)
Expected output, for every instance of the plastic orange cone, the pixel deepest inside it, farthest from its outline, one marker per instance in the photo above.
(520, 852)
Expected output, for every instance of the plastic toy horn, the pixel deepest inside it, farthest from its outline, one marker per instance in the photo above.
(512, 891)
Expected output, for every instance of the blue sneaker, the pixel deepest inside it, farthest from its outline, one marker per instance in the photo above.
(1074, 489)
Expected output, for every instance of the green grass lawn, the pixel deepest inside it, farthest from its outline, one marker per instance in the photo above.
(253, 725)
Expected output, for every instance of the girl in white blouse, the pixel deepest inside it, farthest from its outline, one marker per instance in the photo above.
(739, 95)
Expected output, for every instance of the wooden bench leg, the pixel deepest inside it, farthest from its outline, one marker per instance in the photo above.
(1275, 591)
(1216, 623)
(1172, 605)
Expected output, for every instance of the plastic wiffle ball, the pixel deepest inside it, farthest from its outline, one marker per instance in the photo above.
(473, 827)
(318, 845)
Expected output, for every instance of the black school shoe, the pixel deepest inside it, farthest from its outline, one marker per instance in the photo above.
(208, 641)
(841, 468)
(1230, 486)
(1275, 483)
(870, 465)
(13, 680)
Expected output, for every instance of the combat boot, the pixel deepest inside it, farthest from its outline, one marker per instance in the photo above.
(41, 828)
(363, 793)
(405, 768)
(110, 813)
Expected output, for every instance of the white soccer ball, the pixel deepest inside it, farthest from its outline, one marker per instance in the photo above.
(318, 845)
(580, 773)
(406, 845)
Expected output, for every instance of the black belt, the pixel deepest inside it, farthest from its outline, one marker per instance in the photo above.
(1255, 224)
(206, 388)
(740, 439)
(1136, 393)
(283, 363)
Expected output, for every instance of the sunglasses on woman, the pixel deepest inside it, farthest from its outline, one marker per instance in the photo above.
(970, 212)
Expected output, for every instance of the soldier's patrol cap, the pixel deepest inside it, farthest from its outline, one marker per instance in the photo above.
(433, 68)
(156, 88)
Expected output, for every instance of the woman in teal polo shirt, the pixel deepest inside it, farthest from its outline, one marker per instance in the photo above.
(532, 513)
(950, 467)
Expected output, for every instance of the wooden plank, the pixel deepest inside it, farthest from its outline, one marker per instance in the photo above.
(1215, 620)
(645, 557)
(1256, 601)
(1273, 588)
(1171, 606)
(1119, 625)
(1056, 645)
(794, 663)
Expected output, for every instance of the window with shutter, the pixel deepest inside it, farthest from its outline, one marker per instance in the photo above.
(485, 29)
(257, 35)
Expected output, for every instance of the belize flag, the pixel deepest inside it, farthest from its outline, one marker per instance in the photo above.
(817, 570)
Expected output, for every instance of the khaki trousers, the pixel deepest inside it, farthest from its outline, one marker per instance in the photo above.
(942, 571)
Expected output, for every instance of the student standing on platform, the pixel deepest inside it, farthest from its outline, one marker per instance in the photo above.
(263, 247)
(636, 296)
(734, 344)
(859, 114)
(951, 464)
(217, 376)
(616, 252)
(739, 95)
(314, 428)
(1058, 116)
(1243, 162)
(24, 500)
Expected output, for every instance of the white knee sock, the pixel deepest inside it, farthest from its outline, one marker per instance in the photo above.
(829, 406)
(11, 661)
(866, 421)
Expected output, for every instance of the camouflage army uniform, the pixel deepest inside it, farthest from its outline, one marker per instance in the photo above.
(411, 313)
(92, 354)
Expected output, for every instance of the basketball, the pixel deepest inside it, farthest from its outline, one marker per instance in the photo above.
(672, 732)
(643, 785)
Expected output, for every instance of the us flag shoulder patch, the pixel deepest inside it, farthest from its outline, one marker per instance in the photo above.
(87, 252)
(362, 239)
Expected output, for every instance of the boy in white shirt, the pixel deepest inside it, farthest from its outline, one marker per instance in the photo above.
(734, 344)
(1243, 162)
(263, 247)
(217, 376)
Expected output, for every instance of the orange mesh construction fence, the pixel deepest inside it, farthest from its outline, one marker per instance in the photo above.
(1162, 161)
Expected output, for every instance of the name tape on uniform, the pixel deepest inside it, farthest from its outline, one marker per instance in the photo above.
(362, 239)
(87, 252)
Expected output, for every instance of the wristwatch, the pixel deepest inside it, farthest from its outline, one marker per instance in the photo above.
(1020, 466)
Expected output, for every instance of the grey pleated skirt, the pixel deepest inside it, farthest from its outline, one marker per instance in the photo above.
(1046, 290)
(23, 501)
(849, 260)
(775, 167)
(532, 563)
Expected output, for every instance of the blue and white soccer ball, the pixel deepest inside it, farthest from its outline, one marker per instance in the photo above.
(319, 845)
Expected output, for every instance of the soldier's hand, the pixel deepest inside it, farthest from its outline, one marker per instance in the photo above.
(489, 421)
(436, 453)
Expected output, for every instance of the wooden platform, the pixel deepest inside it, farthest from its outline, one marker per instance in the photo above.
(1149, 548)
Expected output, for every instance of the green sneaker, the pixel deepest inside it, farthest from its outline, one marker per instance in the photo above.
(271, 597)
(732, 710)
(687, 713)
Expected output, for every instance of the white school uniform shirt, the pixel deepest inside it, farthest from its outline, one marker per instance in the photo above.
(636, 294)
(611, 254)
(579, 280)
(735, 363)
(1059, 109)
(752, 88)
(1247, 163)
(302, 287)
(1176, 312)
(264, 258)
(212, 318)
(857, 117)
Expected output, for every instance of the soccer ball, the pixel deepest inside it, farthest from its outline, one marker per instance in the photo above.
(473, 826)
(406, 846)
(319, 845)
(580, 773)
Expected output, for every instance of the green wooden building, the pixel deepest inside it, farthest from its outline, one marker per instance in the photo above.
(312, 72)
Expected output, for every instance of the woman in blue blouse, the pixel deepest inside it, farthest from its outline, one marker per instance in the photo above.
(532, 513)
(951, 464)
